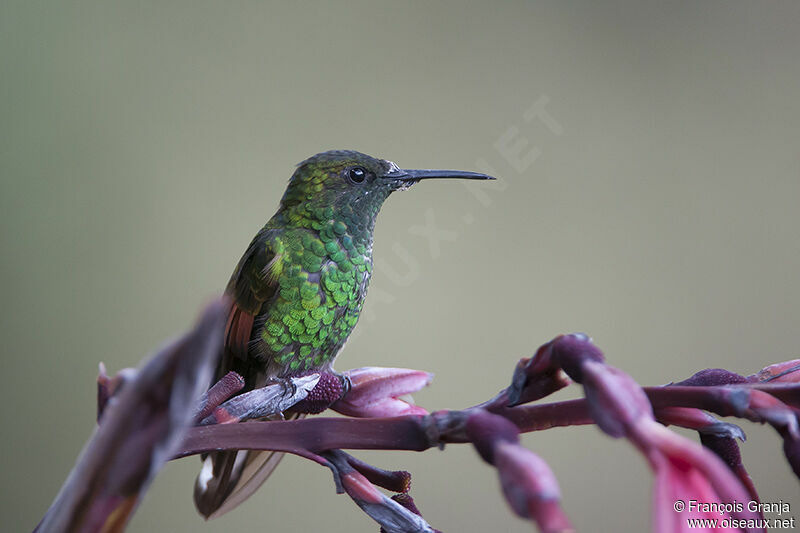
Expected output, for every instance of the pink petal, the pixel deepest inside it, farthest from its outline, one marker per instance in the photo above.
(374, 392)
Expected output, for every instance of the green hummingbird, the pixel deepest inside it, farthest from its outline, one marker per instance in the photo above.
(297, 293)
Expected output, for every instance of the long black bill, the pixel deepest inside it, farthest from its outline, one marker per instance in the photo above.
(414, 176)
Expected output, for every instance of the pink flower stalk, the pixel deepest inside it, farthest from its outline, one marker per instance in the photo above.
(147, 414)
(375, 392)
(685, 470)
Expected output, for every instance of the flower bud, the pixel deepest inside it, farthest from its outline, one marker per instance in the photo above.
(375, 391)
(530, 487)
(786, 372)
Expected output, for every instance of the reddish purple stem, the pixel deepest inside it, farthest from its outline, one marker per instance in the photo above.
(419, 433)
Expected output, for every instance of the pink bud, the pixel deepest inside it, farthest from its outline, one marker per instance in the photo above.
(615, 400)
(375, 391)
(785, 421)
(537, 376)
(359, 488)
(487, 430)
(775, 412)
(572, 351)
(530, 487)
(786, 372)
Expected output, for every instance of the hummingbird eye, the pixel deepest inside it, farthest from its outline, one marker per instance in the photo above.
(357, 175)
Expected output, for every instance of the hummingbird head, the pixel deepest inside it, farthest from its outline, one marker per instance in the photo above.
(349, 185)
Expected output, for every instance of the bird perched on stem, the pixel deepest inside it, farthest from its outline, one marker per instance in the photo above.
(297, 293)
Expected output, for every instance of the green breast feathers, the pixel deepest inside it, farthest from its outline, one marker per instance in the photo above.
(319, 280)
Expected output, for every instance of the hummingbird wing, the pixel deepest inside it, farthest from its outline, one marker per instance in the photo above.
(228, 478)
(251, 288)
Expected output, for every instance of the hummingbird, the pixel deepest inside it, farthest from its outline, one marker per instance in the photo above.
(297, 293)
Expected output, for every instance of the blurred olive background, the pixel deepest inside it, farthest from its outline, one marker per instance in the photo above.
(653, 204)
